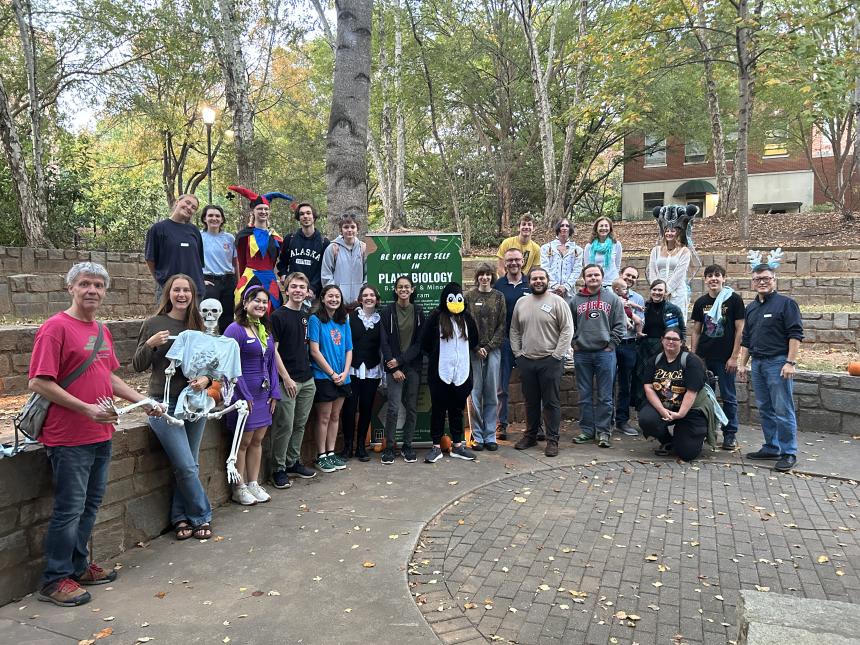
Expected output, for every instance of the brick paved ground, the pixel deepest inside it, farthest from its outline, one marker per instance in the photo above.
(555, 556)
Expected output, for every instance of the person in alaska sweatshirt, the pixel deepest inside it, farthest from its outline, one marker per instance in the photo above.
(303, 250)
(344, 262)
(599, 323)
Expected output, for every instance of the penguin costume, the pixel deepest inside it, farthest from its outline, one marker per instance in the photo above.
(448, 338)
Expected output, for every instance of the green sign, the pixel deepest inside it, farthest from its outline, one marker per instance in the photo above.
(432, 261)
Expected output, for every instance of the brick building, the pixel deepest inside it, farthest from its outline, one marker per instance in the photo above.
(679, 172)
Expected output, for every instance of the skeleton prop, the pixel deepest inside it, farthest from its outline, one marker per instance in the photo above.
(216, 357)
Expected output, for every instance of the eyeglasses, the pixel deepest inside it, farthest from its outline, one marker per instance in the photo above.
(671, 340)
(763, 279)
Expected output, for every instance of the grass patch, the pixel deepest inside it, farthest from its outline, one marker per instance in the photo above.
(850, 308)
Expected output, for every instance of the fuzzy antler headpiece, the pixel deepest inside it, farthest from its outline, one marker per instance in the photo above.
(675, 217)
(774, 259)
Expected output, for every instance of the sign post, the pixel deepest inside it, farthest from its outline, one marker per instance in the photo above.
(432, 260)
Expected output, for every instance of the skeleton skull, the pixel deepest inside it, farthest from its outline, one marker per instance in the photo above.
(211, 310)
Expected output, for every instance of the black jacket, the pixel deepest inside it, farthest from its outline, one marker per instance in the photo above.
(430, 342)
(365, 342)
(391, 339)
(300, 253)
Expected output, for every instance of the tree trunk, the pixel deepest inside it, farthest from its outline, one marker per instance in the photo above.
(540, 82)
(36, 211)
(228, 46)
(725, 185)
(558, 206)
(746, 59)
(346, 144)
(398, 197)
(463, 227)
(32, 226)
(855, 167)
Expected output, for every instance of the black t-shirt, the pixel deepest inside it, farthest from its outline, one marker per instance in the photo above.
(671, 381)
(175, 248)
(717, 338)
(290, 330)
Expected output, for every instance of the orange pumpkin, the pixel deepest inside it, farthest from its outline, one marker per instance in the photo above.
(445, 443)
(854, 368)
(215, 391)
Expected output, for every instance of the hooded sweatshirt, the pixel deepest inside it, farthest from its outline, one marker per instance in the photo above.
(346, 268)
(598, 320)
(302, 253)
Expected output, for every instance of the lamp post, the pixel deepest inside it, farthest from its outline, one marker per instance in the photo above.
(208, 115)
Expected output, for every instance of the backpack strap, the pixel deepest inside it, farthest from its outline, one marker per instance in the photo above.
(683, 359)
(97, 345)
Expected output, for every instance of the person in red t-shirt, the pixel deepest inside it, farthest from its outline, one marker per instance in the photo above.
(77, 432)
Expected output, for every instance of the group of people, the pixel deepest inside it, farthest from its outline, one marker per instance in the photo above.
(333, 357)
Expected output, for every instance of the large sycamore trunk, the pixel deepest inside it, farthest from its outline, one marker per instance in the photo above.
(346, 145)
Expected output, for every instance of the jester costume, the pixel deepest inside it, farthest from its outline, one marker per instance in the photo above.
(257, 252)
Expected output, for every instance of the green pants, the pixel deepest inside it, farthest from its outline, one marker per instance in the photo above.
(288, 424)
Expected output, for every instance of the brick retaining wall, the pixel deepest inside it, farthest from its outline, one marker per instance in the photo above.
(135, 508)
(16, 346)
(824, 402)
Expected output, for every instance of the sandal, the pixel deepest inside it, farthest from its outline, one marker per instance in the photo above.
(203, 532)
(182, 530)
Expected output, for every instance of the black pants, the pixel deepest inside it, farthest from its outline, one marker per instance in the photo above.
(447, 400)
(363, 394)
(688, 436)
(541, 380)
(222, 289)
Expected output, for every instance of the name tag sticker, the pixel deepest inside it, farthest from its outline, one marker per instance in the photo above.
(546, 307)
(184, 244)
(250, 340)
(768, 316)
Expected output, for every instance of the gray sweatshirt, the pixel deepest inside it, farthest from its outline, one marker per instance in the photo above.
(598, 320)
(345, 267)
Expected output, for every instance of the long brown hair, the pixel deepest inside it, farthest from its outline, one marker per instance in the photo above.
(193, 319)
(241, 315)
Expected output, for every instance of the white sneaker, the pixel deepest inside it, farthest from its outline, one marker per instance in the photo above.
(241, 495)
(258, 492)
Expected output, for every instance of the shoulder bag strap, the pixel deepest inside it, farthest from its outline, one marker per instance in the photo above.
(66, 382)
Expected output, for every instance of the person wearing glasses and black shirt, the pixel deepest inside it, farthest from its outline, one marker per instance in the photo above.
(773, 331)
(303, 250)
(672, 381)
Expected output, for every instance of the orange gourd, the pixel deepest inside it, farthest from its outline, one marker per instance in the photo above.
(445, 443)
(854, 368)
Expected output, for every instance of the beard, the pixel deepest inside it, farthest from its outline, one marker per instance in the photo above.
(540, 288)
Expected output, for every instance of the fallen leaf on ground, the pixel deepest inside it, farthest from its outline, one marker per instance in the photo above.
(469, 605)
(520, 500)
(394, 536)
(144, 639)
(161, 594)
(273, 593)
(651, 558)
(657, 584)
(107, 619)
(257, 593)
(367, 564)
(348, 610)
(758, 588)
(823, 559)
(543, 587)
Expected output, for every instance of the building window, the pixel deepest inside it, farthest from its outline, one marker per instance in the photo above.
(698, 199)
(656, 155)
(650, 201)
(694, 152)
(775, 144)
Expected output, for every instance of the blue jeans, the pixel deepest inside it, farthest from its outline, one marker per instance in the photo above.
(595, 418)
(485, 383)
(728, 394)
(506, 366)
(625, 366)
(773, 395)
(182, 446)
(80, 479)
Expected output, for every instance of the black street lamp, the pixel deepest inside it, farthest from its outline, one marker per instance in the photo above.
(208, 115)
